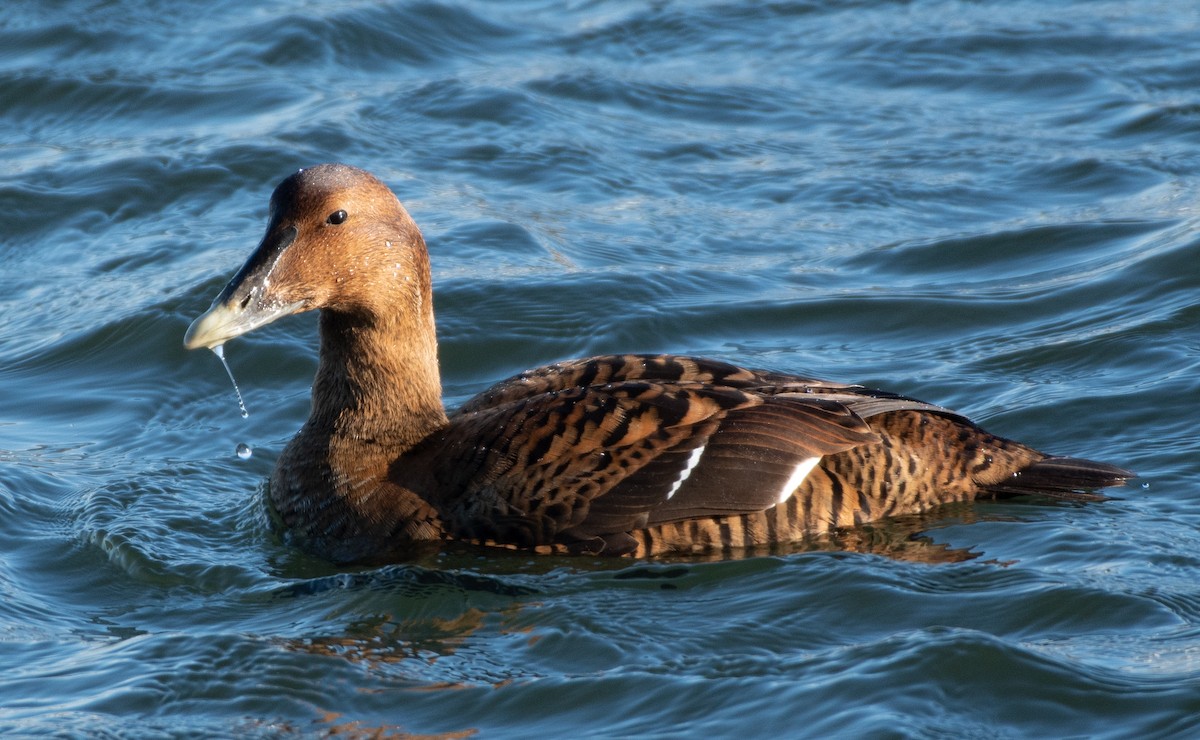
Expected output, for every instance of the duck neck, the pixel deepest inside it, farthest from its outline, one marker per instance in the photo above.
(378, 379)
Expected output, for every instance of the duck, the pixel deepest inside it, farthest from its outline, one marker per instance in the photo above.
(636, 455)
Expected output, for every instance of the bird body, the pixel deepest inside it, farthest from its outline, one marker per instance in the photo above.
(613, 455)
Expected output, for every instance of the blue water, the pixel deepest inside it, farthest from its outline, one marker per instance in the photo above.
(991, 206)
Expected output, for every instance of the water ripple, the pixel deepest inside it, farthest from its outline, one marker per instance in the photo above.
(986, 205)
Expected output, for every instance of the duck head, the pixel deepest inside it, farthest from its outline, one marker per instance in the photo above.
(337, 239)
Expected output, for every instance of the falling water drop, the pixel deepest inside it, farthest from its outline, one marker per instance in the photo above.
(243, 451)
(219, 351)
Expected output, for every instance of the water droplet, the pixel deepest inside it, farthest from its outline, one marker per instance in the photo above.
(244, 451)
(1145, 486)
(219, 351)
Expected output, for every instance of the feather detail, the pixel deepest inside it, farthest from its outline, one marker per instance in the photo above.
(591, 452)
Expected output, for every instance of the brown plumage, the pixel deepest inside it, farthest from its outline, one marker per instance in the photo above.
(629, 454)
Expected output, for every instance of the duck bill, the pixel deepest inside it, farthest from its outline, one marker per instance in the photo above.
(246, 303)
(226, 320)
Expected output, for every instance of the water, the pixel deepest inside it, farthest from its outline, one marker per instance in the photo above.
(988, 206)
(219, 351)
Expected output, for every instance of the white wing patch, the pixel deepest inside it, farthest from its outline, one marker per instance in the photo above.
(692, 461)
(796, 478)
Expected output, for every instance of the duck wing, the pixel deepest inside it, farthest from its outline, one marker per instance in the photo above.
(586, 451)
(597, 371)
(679, 369)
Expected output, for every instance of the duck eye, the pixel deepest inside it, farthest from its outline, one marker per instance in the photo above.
(336, 217)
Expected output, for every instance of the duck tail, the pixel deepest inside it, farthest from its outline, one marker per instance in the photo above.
(1070, 478)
